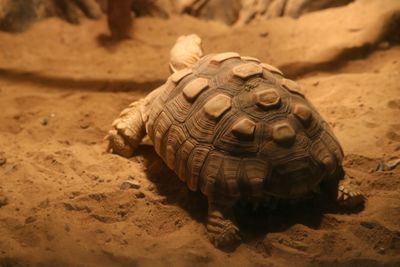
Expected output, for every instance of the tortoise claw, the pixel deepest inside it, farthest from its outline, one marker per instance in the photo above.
(117, 144)
(349, 197)
(222, 232)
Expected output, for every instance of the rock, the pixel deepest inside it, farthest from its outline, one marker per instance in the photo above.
(250, 9)
(384, 45)
(276, 9)
(130, 184)
(296, 8)
(120, 19)
(3, 201)
(388, 165)
(3, 159)
(293, 8)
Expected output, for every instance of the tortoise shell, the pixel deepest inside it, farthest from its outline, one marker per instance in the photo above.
(234, 126)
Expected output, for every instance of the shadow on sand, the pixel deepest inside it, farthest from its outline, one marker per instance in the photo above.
(68, 83)
(254, 224)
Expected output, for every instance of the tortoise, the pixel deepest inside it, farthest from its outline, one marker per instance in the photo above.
(236, 129)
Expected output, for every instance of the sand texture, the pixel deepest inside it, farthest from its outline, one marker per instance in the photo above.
(61, 201)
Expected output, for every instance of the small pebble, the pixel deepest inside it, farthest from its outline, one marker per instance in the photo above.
(3, 159)
(384, 45)
(367, 224)
(354, 29)
(44, 121)
(30, 219)
(84, 124)
(140, 194)
(150, 187)
(130, 184)
(3, 201)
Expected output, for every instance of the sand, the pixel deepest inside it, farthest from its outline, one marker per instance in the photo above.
(61, 201)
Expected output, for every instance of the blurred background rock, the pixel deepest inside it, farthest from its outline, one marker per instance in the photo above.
(17, 15)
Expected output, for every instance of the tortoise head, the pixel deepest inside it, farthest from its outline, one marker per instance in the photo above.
(186, 52)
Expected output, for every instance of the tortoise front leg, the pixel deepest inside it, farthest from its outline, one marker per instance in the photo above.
(128, 131)
(129, 128)
(221, 227)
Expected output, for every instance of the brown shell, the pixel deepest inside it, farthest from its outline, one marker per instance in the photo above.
(235, 126)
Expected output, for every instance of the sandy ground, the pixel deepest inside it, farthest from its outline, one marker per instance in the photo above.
(60, 198)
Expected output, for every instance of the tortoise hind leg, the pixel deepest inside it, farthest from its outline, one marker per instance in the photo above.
(128, 131)
(221, 228)
(343, 193)
(349, 196)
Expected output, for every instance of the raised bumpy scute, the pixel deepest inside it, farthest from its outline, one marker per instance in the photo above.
(303, 113)
(217, 106)
(271, 68)
(283, 133)
(178, 76)
(194, 88)
(292, 86)
(247, 70)
(224, 56)
(244, 129)
(250, 59)
(267, 98)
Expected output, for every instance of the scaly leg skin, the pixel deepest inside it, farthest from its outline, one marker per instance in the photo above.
(128, 132)
(348, 196)
(129, 128)
(343, 194)
(222, 231)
